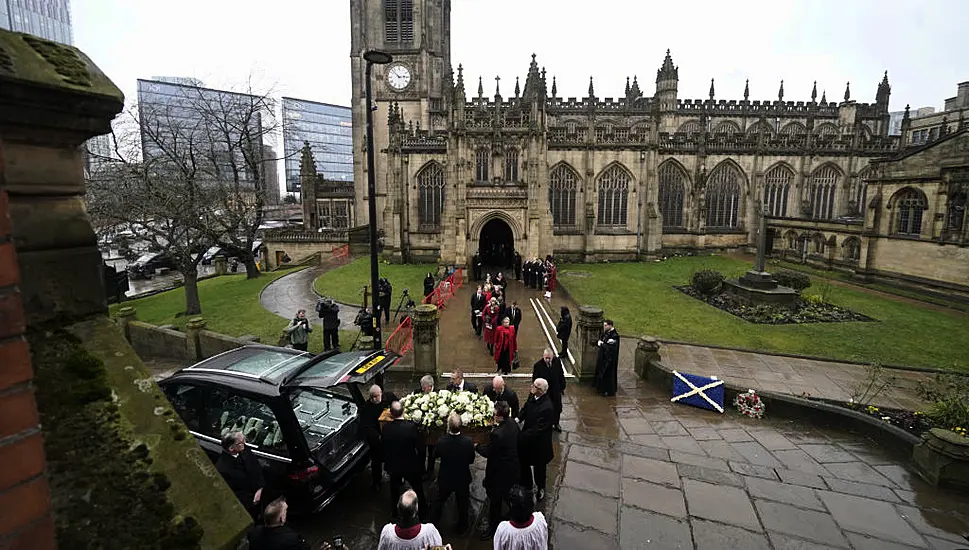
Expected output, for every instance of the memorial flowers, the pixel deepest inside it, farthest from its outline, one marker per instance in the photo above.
(749, 404)
(430, 410)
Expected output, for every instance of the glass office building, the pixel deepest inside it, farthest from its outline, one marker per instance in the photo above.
(50, 19)
(173, 123)
(327, 128)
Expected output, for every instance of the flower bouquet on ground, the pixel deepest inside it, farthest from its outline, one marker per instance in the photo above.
(749, 404)
(430, 411)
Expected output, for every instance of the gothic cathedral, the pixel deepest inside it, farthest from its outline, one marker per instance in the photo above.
(590, 178)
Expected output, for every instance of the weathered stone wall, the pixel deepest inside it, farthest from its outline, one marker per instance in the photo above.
(151, 341)
(213, 343)
(297, 250)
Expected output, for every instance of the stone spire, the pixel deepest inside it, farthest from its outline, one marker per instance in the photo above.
(592, 91)
(518, 90)
(459, 87)
(780, 92)
(711, 89)
(848, 91)
(627, 87)
(480, 88)
(307, 165)
(498, 88)
(555, 88)
(534, 88)
(747, 90)
(884, 91)
(668, 71)
(814, 92)
(544, 85)
(637, 93)
(824, 96)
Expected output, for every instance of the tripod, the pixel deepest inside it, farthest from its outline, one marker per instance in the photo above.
(410, 304)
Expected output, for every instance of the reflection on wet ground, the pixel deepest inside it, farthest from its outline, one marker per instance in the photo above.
(636, 471)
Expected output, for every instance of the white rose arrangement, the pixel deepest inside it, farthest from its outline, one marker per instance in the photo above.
(430, 410)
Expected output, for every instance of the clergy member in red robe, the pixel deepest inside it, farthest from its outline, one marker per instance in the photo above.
(505, 346)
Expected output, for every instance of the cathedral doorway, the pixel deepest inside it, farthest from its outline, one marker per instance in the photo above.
(496, 245)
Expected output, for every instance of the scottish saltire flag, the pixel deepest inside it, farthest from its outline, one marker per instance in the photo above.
(700, 391)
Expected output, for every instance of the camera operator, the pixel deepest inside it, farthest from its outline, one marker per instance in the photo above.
(329, 312)
(364, 320)
(298, 331)
(384, 292)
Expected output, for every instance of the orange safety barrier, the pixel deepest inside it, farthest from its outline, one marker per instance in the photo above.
(445, 289)
(402, 339)
(341, 252)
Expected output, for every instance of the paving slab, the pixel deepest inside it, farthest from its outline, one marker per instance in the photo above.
(655, 498)
(870, 517)
(641, 530)
(814, 526)
(596, 456)
(719, 503)
(802, 497)
(591, 478)
(587, 509)
(714, 536)
(656, 471)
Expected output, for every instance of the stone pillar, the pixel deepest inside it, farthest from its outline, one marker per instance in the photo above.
(192, 330)
(125, 316)
(590, 329)
(220, 265)
(647, 349)
(427, 359)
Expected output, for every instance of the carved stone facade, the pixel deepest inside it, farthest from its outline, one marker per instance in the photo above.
(593, 178)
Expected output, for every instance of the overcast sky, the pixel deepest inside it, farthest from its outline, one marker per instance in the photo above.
(300, 48)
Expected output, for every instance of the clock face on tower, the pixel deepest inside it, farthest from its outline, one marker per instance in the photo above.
(398, 77)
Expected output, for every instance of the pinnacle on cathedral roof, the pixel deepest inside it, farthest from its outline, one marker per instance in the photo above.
(480, 87)
(780, 92)
(497, 87)
(814, 92)
(518, 90)
(307, 165)
(824, 96)
(534, 82)
(668, 70)
(627, 86)
(592, 91)
(636, 92)
(747, 89)
(848, 91)
(555, 88)
(711, 89)
(884, 90)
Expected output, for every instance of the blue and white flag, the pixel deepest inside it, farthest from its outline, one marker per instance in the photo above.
(700, 391)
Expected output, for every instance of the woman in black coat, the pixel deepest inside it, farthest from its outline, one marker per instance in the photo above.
(564, 330)
(428, 285)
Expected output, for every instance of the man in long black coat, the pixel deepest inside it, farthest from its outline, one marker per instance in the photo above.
(518, 266)
(456, 452)
(478, 304)
(369, 414)
(503, 469)
(400, 441)
(607, 360)
(514, 314)
(563, 331)
(498, 391)
(535, 442)
(241, 471)
(549, 367)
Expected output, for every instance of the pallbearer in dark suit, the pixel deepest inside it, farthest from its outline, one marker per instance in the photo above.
(563, 330)
(456, 452)
(549, 367)
(458, 383)
(502, 470)
(498, 391)
(400, 442)
(607, 360)
(514, 314)
(369, 414)
(241, 471)
(535, 443)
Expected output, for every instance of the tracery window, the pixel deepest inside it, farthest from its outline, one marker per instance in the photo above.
(817, 244)
(852, 249)
(691, 127)
(777, 186)
(613, 196)
(511, 164)
(827, 130)
(727, 127)
(723, 197)
(909, 206)
(563, 185)
(570, 127)
(794, 129)
(399, 21)
(671, 191)
(824, 184)
(482, 158)
(792, 240)
(430, 205)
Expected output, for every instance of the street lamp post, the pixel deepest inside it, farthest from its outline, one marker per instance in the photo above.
(373, 57)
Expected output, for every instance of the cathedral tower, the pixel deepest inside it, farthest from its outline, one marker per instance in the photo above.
(417, 33)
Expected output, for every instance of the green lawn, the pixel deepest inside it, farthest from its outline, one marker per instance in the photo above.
(345, 283)
(641, 299)
(230, 305)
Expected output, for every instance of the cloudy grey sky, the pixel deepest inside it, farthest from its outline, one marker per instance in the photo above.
(300, 48)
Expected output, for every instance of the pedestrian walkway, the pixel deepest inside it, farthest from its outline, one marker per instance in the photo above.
(290, 293)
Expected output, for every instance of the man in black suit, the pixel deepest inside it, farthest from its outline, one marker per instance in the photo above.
(369, 414)
(458, 383)
(400, 442)
(549, 367)
(456, 452)
(241, 471)
(518, 266)
(535, 443)
(274, 534)
(502, 470)
(478, 303)
(515, 316)
(497, 391)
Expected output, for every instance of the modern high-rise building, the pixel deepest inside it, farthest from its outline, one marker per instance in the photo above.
(50, 19)
(328, 130)
(180, 119)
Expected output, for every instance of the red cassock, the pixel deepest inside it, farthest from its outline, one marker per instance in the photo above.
(489, 318)
(505, 340)
(551, 280)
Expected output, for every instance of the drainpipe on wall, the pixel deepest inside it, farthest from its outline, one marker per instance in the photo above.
(639, 227)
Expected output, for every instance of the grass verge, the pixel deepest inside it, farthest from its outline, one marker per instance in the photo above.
(641, 299)
(344, 284)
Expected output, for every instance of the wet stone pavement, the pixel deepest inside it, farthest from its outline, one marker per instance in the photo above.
(636, 471)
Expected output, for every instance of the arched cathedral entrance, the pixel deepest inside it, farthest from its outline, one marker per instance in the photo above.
(496, 245)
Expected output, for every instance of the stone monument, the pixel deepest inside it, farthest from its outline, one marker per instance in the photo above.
(757, 286)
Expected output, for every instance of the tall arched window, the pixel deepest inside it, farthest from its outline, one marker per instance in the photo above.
(852, 249)
(777, 186)
(613, 196)
(563, 184)
(690, 127)
(671, 190)
(511, 164)
(723, 197)
(727, 127)
(909, 204)
(826, 130)
(430, 201)
(482, 160)
(792, 240)
(399, 21)
(794, 129)
(824, 184)
(817, 243)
